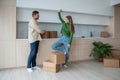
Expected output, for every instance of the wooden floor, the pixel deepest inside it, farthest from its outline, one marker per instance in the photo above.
(85, 70)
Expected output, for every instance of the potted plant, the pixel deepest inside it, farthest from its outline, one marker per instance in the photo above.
(100, 50)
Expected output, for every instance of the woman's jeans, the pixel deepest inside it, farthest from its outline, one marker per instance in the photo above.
(33, 54)
(62, 46)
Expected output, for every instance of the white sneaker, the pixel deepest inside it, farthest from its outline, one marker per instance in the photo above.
(65, 66)
(36, 68)
(65, 52)
(29, 70)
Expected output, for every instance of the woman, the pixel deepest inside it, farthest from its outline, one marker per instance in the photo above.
(67, 31)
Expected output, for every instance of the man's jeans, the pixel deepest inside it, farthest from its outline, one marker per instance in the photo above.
(33, 54)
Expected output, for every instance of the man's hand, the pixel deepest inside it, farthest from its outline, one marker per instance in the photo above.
(44, 32)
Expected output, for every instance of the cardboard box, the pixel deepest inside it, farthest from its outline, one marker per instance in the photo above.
(115, 52)
(46, 35)
(49, 34)
(112, 62)
(105, 34)
(50, 66)
(117, 57)
(57, 57)
(53, 34)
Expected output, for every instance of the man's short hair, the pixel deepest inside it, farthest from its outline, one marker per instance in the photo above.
(34, 13)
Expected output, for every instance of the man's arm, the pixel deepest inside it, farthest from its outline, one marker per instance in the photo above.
(35, 26)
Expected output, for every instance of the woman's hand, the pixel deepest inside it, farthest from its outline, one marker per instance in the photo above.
(60, 10)
(69, 45)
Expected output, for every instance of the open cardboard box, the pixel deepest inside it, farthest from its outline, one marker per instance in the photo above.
(50, 66)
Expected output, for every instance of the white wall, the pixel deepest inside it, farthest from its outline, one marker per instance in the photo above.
(114, 2)
(24, 14)
(100, 7)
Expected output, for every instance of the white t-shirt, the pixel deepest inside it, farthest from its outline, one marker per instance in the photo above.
(34, 31)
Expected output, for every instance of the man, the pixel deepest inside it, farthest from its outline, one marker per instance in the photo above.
(34, 37)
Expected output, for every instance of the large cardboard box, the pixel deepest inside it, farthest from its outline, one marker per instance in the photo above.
(53, 34)
(57, 57)
(50, 66)
(112, 62)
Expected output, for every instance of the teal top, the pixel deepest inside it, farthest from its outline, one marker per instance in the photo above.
(65, 29)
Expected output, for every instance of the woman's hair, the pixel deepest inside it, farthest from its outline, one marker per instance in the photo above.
(72, 30)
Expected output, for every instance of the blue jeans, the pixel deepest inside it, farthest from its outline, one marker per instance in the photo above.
(33, 54)
(62, 46)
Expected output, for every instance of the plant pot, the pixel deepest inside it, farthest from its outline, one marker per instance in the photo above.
(100, 59)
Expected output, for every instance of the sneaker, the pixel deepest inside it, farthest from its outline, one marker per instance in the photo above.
(65, 66)
(29, 70)
(65, 52)
(36, 68)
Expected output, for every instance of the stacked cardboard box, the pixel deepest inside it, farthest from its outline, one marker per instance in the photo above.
(50, 66)
(115, 52)
(57, 57)
(113, 62)
(53, 65)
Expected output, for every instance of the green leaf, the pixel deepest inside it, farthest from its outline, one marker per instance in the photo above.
(101, 50)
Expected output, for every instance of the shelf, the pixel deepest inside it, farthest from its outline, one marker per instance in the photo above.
(60, 23)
